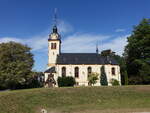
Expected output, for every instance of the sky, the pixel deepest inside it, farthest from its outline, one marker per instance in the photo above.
(81, 23)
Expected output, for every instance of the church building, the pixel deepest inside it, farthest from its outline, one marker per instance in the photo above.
(77, 65)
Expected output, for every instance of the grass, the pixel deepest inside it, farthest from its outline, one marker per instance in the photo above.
(77, 100)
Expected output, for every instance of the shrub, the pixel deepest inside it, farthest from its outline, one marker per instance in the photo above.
(66, 81)
(92, 78)
(114, 82)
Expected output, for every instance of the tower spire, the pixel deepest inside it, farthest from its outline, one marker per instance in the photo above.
(55, 21)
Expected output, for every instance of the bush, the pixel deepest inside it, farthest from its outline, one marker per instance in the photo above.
(92, 78)
(114, 82)
(66, 81)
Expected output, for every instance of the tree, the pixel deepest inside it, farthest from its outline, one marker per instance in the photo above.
(103, 77)
(15, 65)
(137, 54)
(36, 81)
(92, 78)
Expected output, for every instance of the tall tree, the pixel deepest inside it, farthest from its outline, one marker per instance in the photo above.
(103, 77)
(137, 54)
(16, 63)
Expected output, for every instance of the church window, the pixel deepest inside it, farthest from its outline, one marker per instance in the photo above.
(89, 70)
(63, 71)
(53, 45)
(113, 71)
(76, 72)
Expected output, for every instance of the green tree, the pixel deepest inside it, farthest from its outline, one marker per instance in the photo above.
(103, 77)
(92, 78)
(16, 63)
(137, 54)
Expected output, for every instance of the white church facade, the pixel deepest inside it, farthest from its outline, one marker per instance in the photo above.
(77, 65)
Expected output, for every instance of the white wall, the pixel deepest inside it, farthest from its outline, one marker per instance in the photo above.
(83, 79)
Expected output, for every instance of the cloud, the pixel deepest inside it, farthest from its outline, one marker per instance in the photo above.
(8, 39)
(119, 30)
(81, 43)
(36, 43)
(87, 43)
(117, 44)
(75, 42)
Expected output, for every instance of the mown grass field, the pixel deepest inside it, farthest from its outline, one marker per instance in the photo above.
(77, 100)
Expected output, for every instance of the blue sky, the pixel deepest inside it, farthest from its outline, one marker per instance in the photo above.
(82, 23)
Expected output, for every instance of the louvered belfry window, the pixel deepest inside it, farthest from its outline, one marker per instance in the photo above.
(53, 45)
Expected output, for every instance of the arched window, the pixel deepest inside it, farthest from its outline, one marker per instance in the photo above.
(76, 72)
(113, 71)
(63, 70)
(89, 70)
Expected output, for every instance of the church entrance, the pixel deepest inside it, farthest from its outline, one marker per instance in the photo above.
(50, 82)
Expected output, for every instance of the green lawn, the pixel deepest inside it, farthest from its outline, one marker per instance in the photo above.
(119, 99)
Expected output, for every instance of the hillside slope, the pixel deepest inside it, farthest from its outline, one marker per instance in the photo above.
(80, 100)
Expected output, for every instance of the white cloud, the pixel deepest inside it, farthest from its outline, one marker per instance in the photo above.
(87, 43)
(76, 42)
(117, 44)
(119, 30)
(36, 43)
(8, 39)
(82, 42)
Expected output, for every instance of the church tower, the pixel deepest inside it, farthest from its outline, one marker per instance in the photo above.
(54, 46)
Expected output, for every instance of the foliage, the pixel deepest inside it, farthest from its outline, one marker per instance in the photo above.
(36, 81)
(15, 65)
(103, 77)
(66, 81)
(123, 69)
(137, 54)
(92, 78)
(114, 82)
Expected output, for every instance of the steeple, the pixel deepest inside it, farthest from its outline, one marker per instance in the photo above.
(55, 21)
(54, 34)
